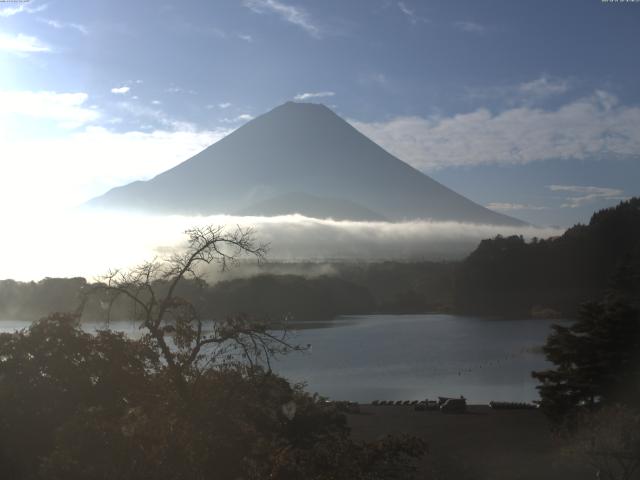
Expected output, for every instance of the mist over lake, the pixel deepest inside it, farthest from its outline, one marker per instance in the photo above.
(126, 239)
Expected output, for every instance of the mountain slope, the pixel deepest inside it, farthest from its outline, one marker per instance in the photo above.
(298, 147)
(311, 206)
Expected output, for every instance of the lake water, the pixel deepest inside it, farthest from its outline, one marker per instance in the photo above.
(412, 357)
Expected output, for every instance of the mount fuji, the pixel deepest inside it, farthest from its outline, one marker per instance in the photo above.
(299, 158)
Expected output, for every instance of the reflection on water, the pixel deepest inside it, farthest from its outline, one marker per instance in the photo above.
(408, 357)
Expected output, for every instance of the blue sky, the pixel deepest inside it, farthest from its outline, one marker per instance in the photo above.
(531, 108)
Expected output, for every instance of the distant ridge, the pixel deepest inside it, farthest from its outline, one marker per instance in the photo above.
(299, 149)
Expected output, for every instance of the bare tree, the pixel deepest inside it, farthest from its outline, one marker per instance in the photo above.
(188, 343)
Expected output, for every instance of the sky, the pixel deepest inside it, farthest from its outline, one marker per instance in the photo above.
(529, 108)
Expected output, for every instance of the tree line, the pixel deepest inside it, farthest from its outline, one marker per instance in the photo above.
(387, 287)
(510, 276)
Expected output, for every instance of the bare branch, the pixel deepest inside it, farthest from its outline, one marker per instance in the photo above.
(173, 322)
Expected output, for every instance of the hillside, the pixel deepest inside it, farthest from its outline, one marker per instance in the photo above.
(511, 276)
(311, 206)
(303, 149)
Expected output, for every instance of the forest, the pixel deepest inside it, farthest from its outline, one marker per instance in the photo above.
(554, 276)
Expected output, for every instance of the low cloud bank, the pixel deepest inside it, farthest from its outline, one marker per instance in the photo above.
(88, 243)
(297, 237)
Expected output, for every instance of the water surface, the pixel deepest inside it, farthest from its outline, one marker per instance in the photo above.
(409, 357)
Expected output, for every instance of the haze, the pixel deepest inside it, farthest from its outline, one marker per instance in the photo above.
(89, 244)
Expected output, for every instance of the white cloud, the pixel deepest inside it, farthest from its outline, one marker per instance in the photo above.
(224, 105)
(45, 166)
(175, 89)
(404, 9)
(509, 207)
(22, 44)
(22, 7)
(310, 95)
(410, 14)
(156, 114)
(245, 117)
(156, 102)
(470, 27)
(588, 127)
(525, 93)
(68, 110)
(120, 90)
(61, 25)
(246, 38)
(586, 194)
(294, 15)
(543, 87)
(72, 168)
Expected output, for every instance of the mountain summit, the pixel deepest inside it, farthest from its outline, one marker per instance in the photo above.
(299, 158)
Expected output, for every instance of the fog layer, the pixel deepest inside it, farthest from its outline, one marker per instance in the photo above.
(89, 242)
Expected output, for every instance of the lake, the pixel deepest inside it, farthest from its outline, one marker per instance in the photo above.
(412, 357)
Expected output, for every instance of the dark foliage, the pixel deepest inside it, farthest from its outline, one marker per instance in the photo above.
(512, 277)
(191, 399)
(596, 360)
(388, 287)
(288, 296)
(409, 287)
(29, 300)
(52, 372)
(81, 406)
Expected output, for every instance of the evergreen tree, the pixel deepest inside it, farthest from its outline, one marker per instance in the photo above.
(597, 360)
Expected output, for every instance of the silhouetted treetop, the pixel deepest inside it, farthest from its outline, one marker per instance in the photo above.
(507, 275)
